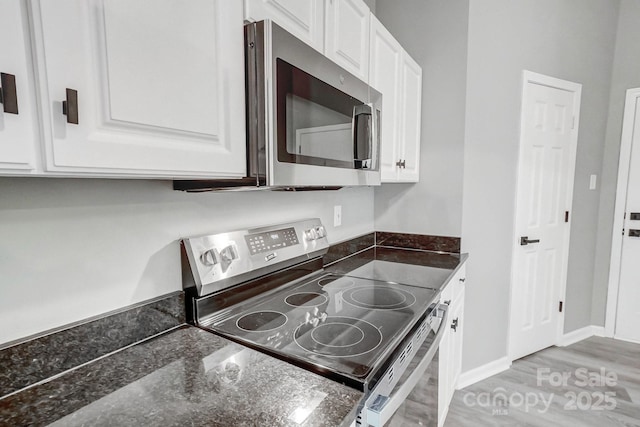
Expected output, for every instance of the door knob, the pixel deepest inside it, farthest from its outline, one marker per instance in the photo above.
(524, 240)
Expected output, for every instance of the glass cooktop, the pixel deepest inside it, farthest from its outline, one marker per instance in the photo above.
(338, 323)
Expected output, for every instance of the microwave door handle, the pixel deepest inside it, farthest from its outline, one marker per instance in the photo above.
(363, 144)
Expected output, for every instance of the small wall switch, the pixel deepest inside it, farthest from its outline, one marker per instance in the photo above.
(592, 182)
(337, 215)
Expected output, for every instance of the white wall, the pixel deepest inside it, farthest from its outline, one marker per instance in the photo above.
(626, 75)
(434, 32)
(556, 38)
(75, 248)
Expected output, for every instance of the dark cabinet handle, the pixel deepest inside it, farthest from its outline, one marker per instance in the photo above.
(448, 302)
(70, 106)
(8, 93)
(462, 280)
(454, 325)
(524, 241)
(401, 164)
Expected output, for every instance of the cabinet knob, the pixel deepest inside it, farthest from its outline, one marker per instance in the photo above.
(70, 106)
(448, 302)
(462, 279)
(8, 93)
(454, 325)
(401, 164)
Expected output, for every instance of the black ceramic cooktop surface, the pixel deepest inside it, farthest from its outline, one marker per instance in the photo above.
(338, 323)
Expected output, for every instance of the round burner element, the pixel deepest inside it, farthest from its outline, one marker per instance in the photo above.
(379, 298)
(306, 299)
(261, 321)
(338, 336)
(336, 282)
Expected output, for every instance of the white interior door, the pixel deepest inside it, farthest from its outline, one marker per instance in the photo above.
(545, 182)
(628, 314)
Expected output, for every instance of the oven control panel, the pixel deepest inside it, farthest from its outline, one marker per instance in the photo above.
(271, 240)
(215, 262)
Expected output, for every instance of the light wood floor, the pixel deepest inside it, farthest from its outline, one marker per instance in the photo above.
(501, 399)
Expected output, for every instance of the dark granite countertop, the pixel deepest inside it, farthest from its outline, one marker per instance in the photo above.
(183, 377)
(406, 266)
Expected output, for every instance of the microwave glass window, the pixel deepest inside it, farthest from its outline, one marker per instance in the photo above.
(315, 120)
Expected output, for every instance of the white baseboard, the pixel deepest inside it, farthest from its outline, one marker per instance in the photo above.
(483, 372)
(582, 334)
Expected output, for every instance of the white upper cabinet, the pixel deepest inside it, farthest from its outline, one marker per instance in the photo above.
(386, 59)
(18, 120)
(399, 78)
(347, 35)
(304, 19)
(150, 87)
(410, 120)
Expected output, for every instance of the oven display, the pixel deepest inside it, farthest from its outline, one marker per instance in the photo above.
(263, 242)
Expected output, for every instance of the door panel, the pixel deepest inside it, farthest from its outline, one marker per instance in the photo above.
(17, 131)
(347, 35)
(160, 86)
(628, 314)
(411, 119)
(544, 187)
(386, 56)
(303, 19)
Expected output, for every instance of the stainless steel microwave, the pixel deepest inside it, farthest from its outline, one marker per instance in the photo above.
(310, 123)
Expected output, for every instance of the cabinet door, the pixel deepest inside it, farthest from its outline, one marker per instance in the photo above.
(304, 19)
(410, 119)
(456, 348)
(347, 35)
(444, 375)
(160, 86)
(18, 135)
(384, 72)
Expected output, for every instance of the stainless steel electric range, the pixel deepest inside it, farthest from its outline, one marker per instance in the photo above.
(265, 288)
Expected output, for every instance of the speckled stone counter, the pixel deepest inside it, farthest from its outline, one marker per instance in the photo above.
(184, 377)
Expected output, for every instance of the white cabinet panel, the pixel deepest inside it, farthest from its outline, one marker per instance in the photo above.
(304, 19)
(347, 35)
(160, 86)
(410, 119)
(18, 132)
(399, 78)
(450, 354)
(386, 57)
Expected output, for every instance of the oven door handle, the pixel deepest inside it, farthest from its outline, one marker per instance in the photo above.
(379, 409)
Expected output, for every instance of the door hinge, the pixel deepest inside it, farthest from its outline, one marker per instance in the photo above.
(560, 307)
(566, 216)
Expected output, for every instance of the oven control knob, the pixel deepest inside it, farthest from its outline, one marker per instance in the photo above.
(311, 234)
(210, 257)
(321, 232)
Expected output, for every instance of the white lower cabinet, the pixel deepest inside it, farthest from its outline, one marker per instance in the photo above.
(18, 118)
(399, 78)
(450, 355)
(144, 88)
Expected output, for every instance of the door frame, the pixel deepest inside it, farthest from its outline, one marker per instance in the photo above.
(576, 89)
(626, 144)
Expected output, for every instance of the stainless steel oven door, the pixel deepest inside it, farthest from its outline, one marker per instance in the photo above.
(403, 375)
(321, 124)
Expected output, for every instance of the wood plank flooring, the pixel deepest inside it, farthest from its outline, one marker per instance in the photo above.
(600, 388)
